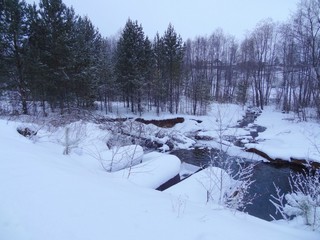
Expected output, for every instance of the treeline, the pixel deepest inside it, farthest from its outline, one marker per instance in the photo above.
(53, 58)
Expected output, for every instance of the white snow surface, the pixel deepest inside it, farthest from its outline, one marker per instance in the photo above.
(47, 195)
(195, 187)
(155, 170)
(119, 158)
(286, 137)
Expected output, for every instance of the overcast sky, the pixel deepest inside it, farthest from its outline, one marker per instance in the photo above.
(189, 17)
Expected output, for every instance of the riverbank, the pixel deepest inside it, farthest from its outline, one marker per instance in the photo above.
(250, 133)
(286, 139)
(48, 195)
(268, 135)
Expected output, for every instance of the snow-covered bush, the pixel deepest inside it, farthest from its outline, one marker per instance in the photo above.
(72, 136)
(124, 132)
(229, 182)
(239, 197)
(303, 200)
(179, 205)
(121, 157)
(218, 184)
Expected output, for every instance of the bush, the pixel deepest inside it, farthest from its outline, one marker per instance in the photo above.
(303, 200)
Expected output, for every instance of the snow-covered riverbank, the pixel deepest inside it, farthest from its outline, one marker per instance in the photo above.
(284, 137)
(287, 138)
(48, 195)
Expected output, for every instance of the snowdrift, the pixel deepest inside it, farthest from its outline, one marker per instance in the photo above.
(48, 195)
(195, 188)
(155, 170)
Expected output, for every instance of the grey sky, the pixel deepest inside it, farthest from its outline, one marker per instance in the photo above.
(190, 18)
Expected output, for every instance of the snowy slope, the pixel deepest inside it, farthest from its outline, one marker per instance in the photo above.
(46, 195)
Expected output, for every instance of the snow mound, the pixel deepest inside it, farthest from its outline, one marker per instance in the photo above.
(155, 170)
(195, 188)
(121, 157)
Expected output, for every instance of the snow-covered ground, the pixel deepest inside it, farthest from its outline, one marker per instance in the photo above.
(196, 187)
(47, 195)
(155, 169)
(286, 137)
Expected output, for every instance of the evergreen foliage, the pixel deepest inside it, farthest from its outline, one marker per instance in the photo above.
(13, 44)
(131, 65)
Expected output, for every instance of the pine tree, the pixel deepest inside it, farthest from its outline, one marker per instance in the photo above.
(54, 38)
(130, 63)
(85, 64)
(13, 39)
(148, 67)
(173, 49)
(158, 81)
(107, 87)
(35, 70)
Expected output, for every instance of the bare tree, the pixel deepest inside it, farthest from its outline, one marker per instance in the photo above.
(289, 56)
(306, 27)
(216, 44)
(197, 77)
(263, 38)
(246, 69)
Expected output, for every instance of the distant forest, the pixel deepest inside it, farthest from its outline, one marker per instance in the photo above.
(53, 60)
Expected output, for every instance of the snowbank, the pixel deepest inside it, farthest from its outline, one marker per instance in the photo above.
(195, 187)
(155, 170)
(287, 139)
(48, 195)
(121, 157)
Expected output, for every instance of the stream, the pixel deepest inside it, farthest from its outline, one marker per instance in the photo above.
(264, 175)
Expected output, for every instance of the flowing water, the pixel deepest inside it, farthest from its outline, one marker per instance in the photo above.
(265, 176)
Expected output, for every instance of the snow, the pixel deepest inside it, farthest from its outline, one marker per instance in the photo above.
(48, 195)
(155, 170)
(121, 157)
(221, 116)
(195, 187)
(286, 137)
(219, 123)
(187, 169)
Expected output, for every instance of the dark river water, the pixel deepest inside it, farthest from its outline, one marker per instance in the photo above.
(265, 176)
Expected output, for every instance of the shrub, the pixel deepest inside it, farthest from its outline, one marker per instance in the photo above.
(303, 200)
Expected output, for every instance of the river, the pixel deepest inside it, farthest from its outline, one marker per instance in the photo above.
(265, 176)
